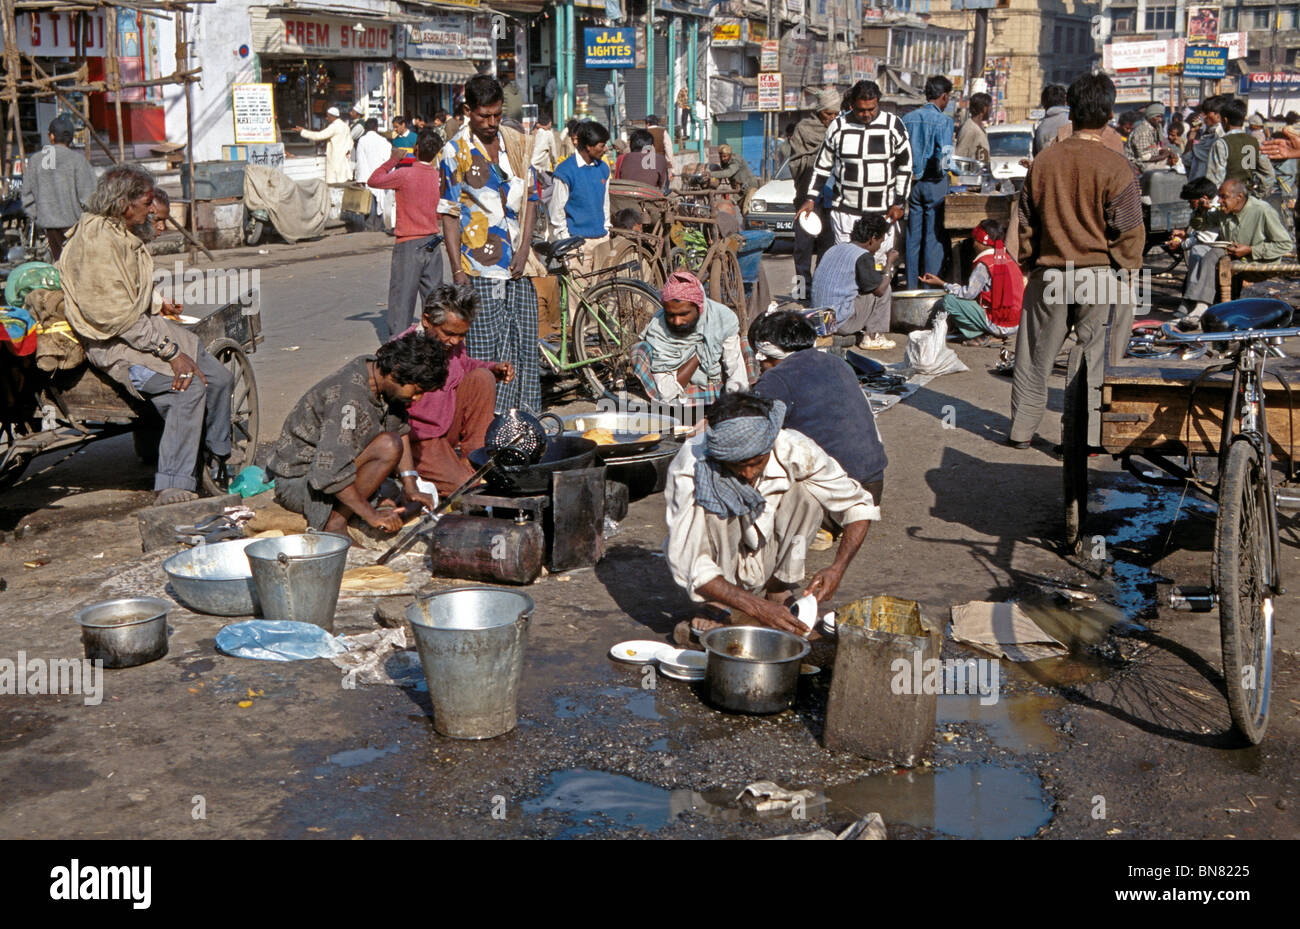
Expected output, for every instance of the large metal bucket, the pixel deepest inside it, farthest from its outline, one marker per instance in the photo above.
(471, 642)
(297, 577)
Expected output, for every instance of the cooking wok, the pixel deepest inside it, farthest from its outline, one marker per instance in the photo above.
(563, 453)
(627, 429)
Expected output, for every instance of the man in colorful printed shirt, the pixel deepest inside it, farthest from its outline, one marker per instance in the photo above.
(486, 185)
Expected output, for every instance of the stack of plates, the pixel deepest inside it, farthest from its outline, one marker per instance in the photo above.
(684, 664)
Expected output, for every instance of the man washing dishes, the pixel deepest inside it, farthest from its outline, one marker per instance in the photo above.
(745, 500)
(350, 432)
(691, 351)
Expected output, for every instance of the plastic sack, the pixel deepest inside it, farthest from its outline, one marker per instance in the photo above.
(29, 276)
(251, 481)
(277, 640)
(927, 350)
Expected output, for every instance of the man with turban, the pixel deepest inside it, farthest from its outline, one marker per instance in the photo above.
(745, 499)
(690, 351)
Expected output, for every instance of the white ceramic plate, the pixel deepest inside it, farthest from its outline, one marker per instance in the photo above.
(689, 676)
(639, 651)
(187, 320)
(684, 660)
(805, 610)
(811, 223)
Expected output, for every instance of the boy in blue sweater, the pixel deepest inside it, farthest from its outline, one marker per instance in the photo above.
(580, 197)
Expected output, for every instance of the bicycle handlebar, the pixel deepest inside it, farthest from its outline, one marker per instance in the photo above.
(1235, 335)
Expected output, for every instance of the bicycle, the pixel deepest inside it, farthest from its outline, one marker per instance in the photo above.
(600, 321)
(1137, 413)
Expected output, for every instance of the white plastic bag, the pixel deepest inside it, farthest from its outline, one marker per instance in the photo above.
(927, 350)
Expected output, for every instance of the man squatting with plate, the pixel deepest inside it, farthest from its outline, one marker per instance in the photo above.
(745, 499)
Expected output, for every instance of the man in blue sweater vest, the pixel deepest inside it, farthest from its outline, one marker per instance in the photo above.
(580, 198)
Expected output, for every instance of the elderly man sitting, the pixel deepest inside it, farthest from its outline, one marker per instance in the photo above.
(745, 499)
(450, 422)
(1248, 228)
(691, 351)
(110, 302)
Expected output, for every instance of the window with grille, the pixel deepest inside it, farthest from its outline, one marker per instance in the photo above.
(1159, 18)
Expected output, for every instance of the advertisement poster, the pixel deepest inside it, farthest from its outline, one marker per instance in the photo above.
(769, 91)
(254, 113)
(1203, 25)
(831, 73)
(769, 56)
(729, 32)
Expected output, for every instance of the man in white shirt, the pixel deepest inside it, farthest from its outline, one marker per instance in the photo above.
(372, 151)
(544, 152)
(745, 499)
(338, 147)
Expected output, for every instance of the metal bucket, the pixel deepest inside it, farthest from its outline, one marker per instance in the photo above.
(297, 577)
(125, 633)
(214, 579)
(471, 642)
(753, 669)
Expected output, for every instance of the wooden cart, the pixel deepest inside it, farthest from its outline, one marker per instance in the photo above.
(70, 408)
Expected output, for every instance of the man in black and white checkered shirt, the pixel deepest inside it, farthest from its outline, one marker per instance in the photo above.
(868, 157)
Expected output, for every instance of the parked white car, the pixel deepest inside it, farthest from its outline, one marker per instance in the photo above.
(772, 206)
(1008, 143)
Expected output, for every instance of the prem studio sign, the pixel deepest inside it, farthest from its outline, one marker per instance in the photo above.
(608, 48)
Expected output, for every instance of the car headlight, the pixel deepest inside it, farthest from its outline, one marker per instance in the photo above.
(758, 206)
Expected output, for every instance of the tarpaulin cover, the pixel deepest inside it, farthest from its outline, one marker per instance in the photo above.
(298, 208)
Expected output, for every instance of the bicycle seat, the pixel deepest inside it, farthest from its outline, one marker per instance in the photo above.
(564, 246)
(1250, 313)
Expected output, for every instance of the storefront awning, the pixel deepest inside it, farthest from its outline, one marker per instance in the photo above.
(442, 72)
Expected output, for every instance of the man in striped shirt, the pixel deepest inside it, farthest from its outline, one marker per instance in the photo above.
(868, 157)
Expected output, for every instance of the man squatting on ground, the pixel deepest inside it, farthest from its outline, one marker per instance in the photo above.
(350, 432)
(745, 499)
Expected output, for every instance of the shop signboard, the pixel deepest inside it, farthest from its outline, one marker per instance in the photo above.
(769, 91)
(54, 35)
(729, 32)
(1118, 56)
(864, 67)
(317, 36)
(769, 56)
(831, 73)
(1205, 61)
(481, 42)
(749, 98)
(609, 48)
(254, 108)
(444, 36)
(1280, 81)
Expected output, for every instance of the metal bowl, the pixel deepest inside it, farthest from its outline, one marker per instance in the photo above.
(753, 669)
(125, 633)
(912, 308)
(214, 579)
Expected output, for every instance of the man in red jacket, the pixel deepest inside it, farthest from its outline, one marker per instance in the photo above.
(417, 264)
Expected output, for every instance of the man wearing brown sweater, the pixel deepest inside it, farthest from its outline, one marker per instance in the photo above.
(1081, 230)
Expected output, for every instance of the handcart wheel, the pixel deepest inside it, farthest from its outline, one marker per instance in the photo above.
(245, 416)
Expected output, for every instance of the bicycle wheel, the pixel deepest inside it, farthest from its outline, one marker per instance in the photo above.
(727, 285)
(607, 323)
(245, 416)
(1241, 581)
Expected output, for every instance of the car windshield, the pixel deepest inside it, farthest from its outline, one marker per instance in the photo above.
(1009, 143)
(783, 173)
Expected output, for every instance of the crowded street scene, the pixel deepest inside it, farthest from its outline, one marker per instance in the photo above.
(640, 419)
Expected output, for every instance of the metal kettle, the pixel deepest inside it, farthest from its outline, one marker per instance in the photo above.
(519, 437)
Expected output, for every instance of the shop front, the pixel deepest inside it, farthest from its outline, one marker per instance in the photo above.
(316, 60)
(438, 54)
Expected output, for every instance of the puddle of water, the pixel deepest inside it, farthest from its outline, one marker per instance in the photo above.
(1149, 515)
(359, 756)
(976, 801)
(607, 798)
(1014, 723)
(640, 703)
(658, 745)
(570, 708)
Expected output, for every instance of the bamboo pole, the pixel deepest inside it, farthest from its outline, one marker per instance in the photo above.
(114, 74)
(12, 67)
(183, 55)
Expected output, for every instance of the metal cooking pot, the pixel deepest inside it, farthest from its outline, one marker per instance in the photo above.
(562, 454)
(911, 309)
(753, 669)
(125, 633)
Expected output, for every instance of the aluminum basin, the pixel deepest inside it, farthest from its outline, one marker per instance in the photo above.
(753, 669)
(911, 309)
(214, 579)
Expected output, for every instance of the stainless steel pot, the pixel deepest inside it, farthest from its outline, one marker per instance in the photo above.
(753, 669)
(125, 633)
(912, 309)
